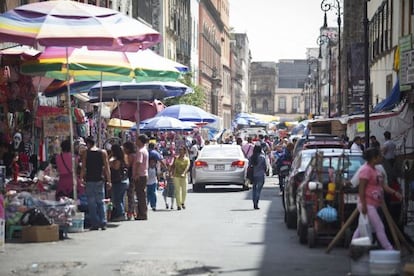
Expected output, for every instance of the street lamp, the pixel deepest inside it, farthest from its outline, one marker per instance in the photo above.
(317, 102)
(322, 40)
(327, 5)
(366, 72)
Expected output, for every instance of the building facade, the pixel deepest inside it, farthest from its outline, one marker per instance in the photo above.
(210, 30)
(291, 95)
(240, 72)
(263, 83)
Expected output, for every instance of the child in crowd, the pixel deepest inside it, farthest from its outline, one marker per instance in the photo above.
(152, 183)
(168, 191)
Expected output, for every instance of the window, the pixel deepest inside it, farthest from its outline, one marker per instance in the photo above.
(380, 30)
(265, 106)
(295, 105)
(254, 105)
(282, 104)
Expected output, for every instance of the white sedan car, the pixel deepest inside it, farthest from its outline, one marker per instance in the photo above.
(221, 164)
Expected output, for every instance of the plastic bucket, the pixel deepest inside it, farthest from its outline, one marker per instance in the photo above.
(77, 223)
(384, 262)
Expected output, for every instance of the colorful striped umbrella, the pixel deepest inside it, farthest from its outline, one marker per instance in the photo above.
(58, 87)
(96, 65)
(70, 23)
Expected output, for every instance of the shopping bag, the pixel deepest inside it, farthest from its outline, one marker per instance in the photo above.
(364, 227)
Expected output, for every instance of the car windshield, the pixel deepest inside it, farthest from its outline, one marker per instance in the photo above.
(349, 164)
(209, 152)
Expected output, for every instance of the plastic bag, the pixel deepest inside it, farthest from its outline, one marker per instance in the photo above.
(364, 227)
(328, 214)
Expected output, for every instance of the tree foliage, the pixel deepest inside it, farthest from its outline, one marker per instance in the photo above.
(197, 98)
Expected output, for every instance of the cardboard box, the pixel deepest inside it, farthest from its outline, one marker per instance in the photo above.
(45, 233)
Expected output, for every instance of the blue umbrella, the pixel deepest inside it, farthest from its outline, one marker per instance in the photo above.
(189, 113)
(162, 123)
(132, 91)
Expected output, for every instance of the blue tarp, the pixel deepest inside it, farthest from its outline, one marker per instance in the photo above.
(390, 102)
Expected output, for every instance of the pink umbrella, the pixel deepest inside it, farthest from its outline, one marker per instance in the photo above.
(128, 110)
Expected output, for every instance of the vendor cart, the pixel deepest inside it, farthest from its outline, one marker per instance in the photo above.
(324, 200)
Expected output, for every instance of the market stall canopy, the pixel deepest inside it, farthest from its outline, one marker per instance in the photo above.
(96, 65)
(190, 113)
(20, 50)
(129, 110)
(118, 123)
(265, 117)
(70, 23)
(391, 101)
(58, 87)
(162, 123)
(130, 91)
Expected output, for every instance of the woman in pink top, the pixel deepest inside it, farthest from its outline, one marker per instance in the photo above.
(371, 195)
(64, 168)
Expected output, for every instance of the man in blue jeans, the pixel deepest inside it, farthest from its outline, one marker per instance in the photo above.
(94, 165)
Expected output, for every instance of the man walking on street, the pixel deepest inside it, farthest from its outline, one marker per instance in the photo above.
(94, 165)
(388, 149)
(140, 176)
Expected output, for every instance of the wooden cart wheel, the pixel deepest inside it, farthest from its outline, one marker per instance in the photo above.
(311, 237)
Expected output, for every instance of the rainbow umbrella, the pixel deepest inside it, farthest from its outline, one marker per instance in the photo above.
(57, 87)
(70, 23)
(96, 65)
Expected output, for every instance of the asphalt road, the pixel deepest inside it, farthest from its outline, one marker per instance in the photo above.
(218, 234)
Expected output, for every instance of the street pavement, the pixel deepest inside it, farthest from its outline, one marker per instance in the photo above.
(218, 234)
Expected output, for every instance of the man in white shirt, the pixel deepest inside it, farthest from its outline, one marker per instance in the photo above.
(356, 144)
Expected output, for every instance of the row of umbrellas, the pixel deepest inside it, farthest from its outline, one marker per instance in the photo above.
(72, 25)
(180, 117)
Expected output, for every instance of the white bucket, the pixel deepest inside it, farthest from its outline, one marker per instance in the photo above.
(384, 262)
(77, 223)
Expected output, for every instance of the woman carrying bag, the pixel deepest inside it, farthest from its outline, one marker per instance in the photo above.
(258, 161)
(371, 195)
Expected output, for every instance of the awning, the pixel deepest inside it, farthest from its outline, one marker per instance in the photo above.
(390, 102)
(83, 97)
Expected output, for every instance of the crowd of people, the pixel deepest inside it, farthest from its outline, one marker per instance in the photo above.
(132, 173)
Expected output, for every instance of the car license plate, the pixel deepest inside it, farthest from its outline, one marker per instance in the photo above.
(219, 167)
(351, 198)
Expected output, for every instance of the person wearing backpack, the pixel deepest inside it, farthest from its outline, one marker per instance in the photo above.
(95, 165)
(119, 179)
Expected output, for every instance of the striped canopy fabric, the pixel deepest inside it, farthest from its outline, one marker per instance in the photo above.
(92, 65)
(70, 23)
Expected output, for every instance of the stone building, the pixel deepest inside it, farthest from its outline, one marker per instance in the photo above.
(240, 72)
(263, 83)
(211, 28)
(289, 96)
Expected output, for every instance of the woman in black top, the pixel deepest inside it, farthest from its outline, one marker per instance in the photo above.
(119, 179)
